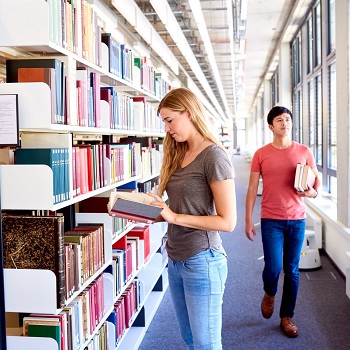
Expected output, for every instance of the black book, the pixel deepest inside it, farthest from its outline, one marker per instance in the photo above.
(36, 242)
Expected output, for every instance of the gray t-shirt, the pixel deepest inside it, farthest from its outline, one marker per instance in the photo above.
(189, 193)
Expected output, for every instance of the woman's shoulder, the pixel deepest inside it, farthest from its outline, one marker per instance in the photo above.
(214, 149)
(215, 153)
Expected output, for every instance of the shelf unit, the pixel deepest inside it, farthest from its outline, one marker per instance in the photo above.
(29, 187)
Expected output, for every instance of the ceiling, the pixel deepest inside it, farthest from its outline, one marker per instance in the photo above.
(222, 48)
(242, 37)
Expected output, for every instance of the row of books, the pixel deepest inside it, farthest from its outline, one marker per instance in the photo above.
(76, 323)
(89, 165)
(39, 242)
(76, 95)
(131, 113)
(98, 204)
(74, 26)
(77, 104)
(129, 253)
(134, 69)
(57, 159)
(89, 170)
(50, 71)
(84, 248)
(100, 340)
(125, 308)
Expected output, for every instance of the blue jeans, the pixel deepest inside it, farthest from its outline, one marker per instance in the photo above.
(282, 242)
(197, 287)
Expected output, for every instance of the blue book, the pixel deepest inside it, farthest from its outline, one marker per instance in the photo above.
(51, 157)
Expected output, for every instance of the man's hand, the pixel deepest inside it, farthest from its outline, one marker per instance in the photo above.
(250, 230)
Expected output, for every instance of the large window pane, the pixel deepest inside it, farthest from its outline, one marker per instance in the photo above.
(309, 45)
(297, 117)
(312, 116)
(317, 34)
(332, 121)
(318, 120)
(331, 26)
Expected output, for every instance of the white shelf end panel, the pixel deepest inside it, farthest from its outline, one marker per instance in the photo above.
(30, 291)
(32, 17)
(34, 103)
(30, 343)
(27, 187)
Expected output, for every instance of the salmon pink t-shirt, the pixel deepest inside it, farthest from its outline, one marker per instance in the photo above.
(277, 168)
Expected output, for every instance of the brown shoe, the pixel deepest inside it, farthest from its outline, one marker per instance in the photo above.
(267, 305)
(288, 327)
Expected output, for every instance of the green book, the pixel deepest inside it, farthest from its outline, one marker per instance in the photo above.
(46, 331)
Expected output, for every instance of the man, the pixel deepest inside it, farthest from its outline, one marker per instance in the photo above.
(283, 213)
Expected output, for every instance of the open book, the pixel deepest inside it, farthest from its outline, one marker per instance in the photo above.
(133, 206)
(304, 177)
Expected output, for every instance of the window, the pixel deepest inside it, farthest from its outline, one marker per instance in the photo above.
(297, 117)
(318, 38)
(318, 121)
(311, 115)
(274, 89)
(309, 45)
(315, 118)
(331, 26)
(296, 60)
(332, 132)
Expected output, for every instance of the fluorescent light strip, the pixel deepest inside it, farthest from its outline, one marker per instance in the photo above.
(232, 50)
(185, 49)
(203, 31)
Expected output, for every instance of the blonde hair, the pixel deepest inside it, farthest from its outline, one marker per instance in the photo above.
(181, 100)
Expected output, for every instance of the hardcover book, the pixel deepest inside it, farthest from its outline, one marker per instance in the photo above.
(304, 177)
(45, 75)
(36, 242)
(12, 67)
(133, 206)
(47, 331)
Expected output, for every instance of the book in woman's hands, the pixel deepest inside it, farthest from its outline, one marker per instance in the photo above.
(133, 206)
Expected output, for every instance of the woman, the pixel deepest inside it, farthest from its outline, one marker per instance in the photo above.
(198, 177)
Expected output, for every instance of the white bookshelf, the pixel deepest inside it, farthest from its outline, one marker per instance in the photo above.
(30, 187)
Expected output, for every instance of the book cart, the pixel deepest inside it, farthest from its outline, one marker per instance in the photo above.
(30, 187)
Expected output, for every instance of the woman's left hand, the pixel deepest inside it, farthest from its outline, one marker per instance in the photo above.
(167, 214)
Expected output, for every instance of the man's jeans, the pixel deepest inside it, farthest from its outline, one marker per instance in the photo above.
(197, 286)
(282, 242)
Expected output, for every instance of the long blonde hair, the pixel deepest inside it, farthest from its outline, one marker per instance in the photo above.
(181, 100)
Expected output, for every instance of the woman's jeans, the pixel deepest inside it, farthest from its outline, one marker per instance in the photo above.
(197, 286)
(282, 242)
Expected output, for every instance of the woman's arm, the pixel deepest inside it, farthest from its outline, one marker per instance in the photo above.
(225, 203)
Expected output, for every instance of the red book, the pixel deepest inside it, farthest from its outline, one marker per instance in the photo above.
(77, 170)
(106, 96)
(89, 170)
(74, 173)
(82, 103)
(44, 75)
(143, 233)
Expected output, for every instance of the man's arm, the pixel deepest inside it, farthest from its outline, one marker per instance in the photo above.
(249, 205)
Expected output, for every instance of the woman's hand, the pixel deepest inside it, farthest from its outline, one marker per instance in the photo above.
(167, 214)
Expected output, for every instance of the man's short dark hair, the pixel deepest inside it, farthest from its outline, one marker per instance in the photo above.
(276, 111)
